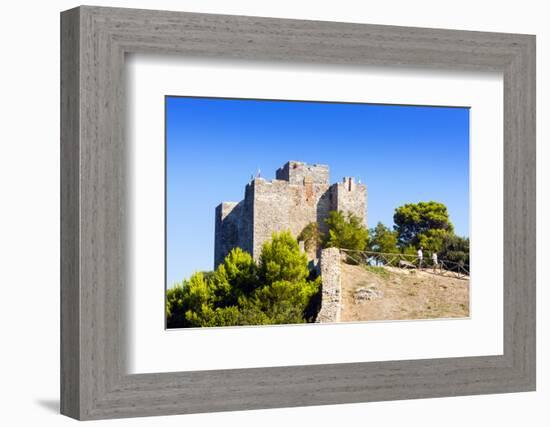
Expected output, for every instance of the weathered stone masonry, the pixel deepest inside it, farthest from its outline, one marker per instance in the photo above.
(299, 194)
(331, 292)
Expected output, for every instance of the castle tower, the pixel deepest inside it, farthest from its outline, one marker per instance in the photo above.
(295, 172)
(350, 196)
(300, 194)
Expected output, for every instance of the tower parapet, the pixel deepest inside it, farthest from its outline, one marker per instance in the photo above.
(295, 172)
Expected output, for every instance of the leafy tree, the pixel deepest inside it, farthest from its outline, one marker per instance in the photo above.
(456, 249)
(311, 236)
(226, 316)
(414, 221)
(281, 259)
(346, 232)
(282, 302)
(176, 305)
(409, 250)
(235, 277)
(383, 239)
(285, 291)
(198, 295)
(433, 240)
(240, 292)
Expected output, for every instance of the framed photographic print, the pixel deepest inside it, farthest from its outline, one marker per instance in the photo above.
(262, 213)
(272, 250)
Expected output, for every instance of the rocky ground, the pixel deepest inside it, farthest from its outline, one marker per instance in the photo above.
(390, 293)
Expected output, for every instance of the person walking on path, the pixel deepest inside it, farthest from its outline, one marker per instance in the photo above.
(420, 257)
(434, 260)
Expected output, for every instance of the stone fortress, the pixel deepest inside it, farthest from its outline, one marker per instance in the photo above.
(299, 194)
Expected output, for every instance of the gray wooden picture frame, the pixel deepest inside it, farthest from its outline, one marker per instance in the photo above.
(94, 382)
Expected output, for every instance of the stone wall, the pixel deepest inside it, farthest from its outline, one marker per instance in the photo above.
(350, 196)
(233, 226)
(228, 216)
(271, 211)
(280, 205)
(331, 290)
(309, 202)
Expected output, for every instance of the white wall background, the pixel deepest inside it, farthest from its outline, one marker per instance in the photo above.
(29, 212)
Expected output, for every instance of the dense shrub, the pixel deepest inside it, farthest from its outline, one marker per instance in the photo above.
(457, 250)
(176, 305)
(236, 277)
(277, 291)
(382, 239)
(345, 232)
(281, 302)
(281, 259)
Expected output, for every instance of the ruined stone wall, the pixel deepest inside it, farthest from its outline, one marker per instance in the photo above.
(349, 196)
(331, 287)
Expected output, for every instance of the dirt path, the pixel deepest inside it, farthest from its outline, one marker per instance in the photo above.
(389, 293)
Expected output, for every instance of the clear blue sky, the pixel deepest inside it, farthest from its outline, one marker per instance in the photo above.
(404, 154)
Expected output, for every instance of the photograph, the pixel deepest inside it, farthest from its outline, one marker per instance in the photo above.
(283, 212)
